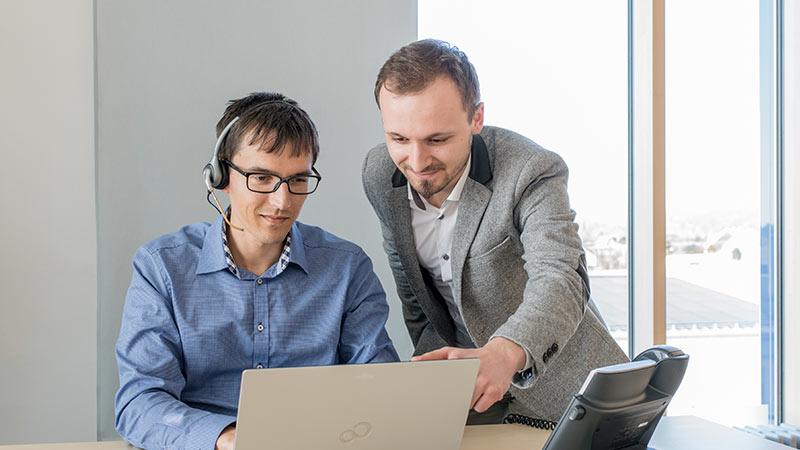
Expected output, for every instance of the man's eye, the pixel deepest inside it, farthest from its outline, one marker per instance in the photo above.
(399, 139)
(299, 180)
(261, 178)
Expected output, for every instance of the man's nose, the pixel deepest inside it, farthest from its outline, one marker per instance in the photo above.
(282, 198)
(418, 158)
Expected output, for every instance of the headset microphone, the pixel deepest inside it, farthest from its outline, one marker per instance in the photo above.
(219, 208)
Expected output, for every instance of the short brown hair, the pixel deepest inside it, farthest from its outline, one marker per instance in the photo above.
(415, 66)
(274, 121)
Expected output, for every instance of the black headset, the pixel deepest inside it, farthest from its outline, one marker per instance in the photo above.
(215, 175)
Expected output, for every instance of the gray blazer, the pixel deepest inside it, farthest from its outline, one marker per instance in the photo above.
(517, 261)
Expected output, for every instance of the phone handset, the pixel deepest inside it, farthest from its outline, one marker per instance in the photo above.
(666, 379)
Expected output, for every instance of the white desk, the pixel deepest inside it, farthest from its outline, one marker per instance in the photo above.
(673, 433)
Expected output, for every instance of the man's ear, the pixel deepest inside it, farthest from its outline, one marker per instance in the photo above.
(477, 119)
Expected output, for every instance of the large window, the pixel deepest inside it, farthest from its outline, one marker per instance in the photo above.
(719, 194)
(556, 72)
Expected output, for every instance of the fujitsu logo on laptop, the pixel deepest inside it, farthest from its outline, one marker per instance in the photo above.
(360, 430)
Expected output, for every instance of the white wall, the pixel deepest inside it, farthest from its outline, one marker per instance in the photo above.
(73, 216)
(48, 267)
(165, 71)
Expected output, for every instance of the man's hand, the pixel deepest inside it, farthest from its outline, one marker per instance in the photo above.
(500, 359)
(225, 439)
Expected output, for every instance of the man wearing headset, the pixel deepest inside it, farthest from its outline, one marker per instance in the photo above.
(481, 240)
(254, 289)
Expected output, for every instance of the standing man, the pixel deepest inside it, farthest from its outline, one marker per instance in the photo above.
(481, 240)
(254, 289)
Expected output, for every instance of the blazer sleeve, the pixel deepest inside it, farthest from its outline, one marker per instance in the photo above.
(423, 334)
(556, 293)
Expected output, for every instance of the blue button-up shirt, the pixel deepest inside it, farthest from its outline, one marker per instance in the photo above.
(190, 326)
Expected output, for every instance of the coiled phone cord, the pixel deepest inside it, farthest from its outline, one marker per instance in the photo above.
(530, 421)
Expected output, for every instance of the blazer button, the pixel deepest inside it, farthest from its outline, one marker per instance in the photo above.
(554, 348)
(545, 357)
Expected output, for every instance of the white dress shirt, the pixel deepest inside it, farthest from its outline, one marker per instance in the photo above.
(433, 237)
(433, 230)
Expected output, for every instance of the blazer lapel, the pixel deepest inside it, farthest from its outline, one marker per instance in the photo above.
(400, 221)
(471, 207)
(399, 216)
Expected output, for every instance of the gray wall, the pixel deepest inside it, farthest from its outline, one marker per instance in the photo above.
(164, 71)
(48, 297)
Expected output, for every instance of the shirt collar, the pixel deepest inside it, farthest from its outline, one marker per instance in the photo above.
(298, 254)
(212, 255)
(455, 194)
(226, 248)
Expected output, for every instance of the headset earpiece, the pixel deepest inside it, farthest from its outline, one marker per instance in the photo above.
(208, 177)
(223, 175)
(215, 175)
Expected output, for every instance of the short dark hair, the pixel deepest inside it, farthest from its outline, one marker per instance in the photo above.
(415, 66)
(274, 121)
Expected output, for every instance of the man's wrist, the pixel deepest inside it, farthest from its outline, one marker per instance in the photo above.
(513, 352)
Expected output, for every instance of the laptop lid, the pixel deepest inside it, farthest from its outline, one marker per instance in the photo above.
(421, 405)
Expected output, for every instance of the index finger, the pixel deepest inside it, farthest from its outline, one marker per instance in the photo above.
(441, 353)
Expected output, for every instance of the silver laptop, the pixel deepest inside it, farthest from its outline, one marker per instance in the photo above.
(406, 405)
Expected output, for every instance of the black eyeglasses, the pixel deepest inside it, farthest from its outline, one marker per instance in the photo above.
(267, 183)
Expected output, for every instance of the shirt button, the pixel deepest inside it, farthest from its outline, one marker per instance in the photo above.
(259, 281)
(261, 327)
(441, 217)
(446, 257)
(259, 366)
